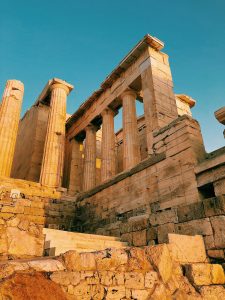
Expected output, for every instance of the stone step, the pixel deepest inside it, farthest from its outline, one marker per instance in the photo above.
(59, 241)
(55, 233)
(83, 244)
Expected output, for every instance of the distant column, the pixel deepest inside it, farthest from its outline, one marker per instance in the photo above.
(131, 147)
(108, 162)
(75, 167)
(9, 122)
(89, 175)
(52, 164)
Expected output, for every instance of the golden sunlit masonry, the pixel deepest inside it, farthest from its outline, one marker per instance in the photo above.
(141, 210)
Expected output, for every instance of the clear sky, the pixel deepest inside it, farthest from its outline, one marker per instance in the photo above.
(82, 41)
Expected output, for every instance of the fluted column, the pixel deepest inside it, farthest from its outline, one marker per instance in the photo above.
(52, 163)
(131, 147)
(108, 162)
(89, 175)
(9, 122)
(75, 167)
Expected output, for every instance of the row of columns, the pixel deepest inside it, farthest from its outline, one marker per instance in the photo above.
(131, 147)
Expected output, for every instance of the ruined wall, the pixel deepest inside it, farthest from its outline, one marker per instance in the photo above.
(160, 272)
(160, 195)
(30, 144)
(25, 208)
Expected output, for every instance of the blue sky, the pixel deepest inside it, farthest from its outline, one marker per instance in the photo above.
(82, 41)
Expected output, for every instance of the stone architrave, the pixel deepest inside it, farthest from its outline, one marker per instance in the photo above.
(52, 163)
(131, 147)
(9, 122)
(108, 162)
(89, 174)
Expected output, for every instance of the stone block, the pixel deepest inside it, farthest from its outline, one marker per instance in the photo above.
(218, 225)
(138, 260)
(163, 217)
(21, 243)
(139, 222)
(190, 212)
(46, 265)
(127, 237)
(111, 260)
(134, 280)
(219, 254)
(195, 227)
(139, 238)
(214, 206)
(66, 278)
(140, 294)
(187, 249)
(160, 258)
(75, 261)
(209, 242)
(115, 292)
(151, 233)
(163, 231)
(151, 279)
(213, 292)
(205, 274)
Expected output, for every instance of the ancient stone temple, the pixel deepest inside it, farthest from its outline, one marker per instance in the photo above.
(136, 213)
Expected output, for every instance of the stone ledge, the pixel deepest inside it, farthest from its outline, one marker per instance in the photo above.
(141, 166)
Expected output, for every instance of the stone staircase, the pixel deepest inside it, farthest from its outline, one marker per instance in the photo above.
(59, 241)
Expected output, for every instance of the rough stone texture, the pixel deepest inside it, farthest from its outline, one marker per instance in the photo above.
(131, 273)
(23, 216)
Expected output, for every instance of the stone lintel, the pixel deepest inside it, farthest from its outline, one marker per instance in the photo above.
(44, 96)
(187, 99)
(220, 115)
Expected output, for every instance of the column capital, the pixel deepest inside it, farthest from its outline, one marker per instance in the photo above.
(59, 86)
(51, 84)
(130, 92)
(108, 110)
(91, 127)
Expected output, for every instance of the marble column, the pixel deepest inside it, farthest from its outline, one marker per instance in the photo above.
(131, 147)
(89, 174)
(108, 162)
(75, 177)
(9, 122)
(53, 158)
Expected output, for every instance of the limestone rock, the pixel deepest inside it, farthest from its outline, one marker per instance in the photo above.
(46, 265)
(213, 292)
(205, 274)
(21, 243)
(160, 258)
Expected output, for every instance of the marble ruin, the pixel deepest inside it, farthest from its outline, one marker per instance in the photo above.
(90, 213)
